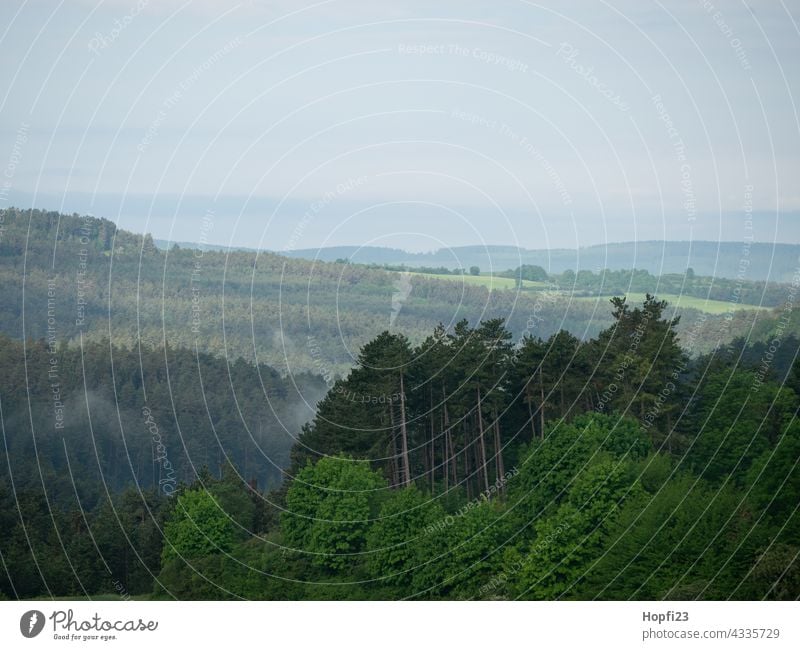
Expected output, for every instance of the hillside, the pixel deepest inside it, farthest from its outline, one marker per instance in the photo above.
(117, 418)
(291, 314)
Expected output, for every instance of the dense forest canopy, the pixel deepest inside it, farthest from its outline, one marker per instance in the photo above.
(466, 466)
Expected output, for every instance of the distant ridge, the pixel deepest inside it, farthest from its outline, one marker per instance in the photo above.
(734, 260)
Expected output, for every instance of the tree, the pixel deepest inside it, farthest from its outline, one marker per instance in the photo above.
(637, 364)
(678, 541)
(384, 363)
(460, 553)
(495, 340)
(474, 270)
(393, 539)
(548, 469)
(570, 539)
(532, 272)
(731, 424)
(330, 506)
(198, 527)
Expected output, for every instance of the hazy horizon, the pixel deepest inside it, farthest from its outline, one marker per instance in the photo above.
(241, 230)
(416, 126)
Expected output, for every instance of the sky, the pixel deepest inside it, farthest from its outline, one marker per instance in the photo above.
(418, 125)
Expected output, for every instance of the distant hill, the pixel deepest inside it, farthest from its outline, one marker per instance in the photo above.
(758, 261)
(733, 260)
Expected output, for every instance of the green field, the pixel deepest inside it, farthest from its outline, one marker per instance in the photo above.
(682, 301)
(488, 281)
(685, 302)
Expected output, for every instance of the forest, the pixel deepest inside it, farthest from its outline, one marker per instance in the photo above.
(466, 466)
(101, 282)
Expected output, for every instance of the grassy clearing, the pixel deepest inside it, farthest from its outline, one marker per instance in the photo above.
(682, 301)
(488, 281)
(685, 302)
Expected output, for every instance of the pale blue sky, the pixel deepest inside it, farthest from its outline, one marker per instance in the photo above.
(425, 124)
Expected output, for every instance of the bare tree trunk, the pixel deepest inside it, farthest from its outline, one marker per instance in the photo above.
(395, 469)
(531, 419)
(404, 434)
(476, 456)
(467, 450)
(498, 449)
(453, 459)
(426, 457)
(433, 444)
(541, 405)
(445, 457)
(450, 455)
(482, 445)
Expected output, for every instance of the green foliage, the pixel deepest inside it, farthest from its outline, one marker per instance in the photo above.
(330, 505)
(680, 542)
(393, 540)
(740, 419)
(530, 272)
(460, 554)
(198, 527)
(570, 539)
(550, 469)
